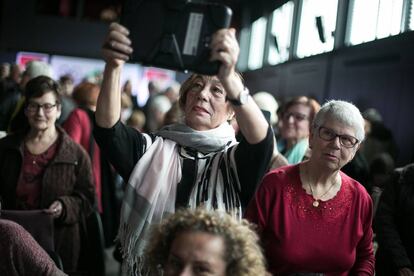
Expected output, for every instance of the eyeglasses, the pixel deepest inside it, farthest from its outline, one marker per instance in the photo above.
(34, 107)
(328, 134)
(299, 117)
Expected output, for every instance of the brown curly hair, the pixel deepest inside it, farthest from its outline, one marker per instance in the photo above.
(243, 256)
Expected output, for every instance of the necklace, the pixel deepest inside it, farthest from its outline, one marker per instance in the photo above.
(315, 202)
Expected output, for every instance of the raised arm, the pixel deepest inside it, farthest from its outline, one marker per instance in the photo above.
(115, 51)
(225, 48)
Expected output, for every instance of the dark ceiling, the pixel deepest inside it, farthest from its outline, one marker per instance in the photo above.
(249, 10)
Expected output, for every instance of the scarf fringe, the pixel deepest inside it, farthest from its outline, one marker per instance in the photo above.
(131, 249)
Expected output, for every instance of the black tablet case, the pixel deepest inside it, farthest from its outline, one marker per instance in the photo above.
(174, 34)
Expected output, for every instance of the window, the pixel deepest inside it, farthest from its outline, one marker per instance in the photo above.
(257, 43)
(374, 19)
(280, 34)
(317, 27)
(411, 15)
(244, 49)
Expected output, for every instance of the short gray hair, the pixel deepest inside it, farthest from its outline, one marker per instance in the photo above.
(344, 112)
(37, 68)
(267, 102)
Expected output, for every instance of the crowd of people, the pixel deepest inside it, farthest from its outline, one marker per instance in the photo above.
(205, 179)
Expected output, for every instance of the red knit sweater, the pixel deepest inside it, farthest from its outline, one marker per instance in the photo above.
(334, 238)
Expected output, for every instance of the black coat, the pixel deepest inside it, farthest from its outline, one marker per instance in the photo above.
(394, 223)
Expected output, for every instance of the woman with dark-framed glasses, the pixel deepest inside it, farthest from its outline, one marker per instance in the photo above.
(42, 168)
(295, 124)
(313, 218)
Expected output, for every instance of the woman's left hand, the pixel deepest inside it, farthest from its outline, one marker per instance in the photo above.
(225, 49)
(55, 209)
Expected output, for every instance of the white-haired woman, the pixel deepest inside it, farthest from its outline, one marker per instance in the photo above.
(184, 165)
(312, 217)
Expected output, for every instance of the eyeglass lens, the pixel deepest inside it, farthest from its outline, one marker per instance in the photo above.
(297, 116)
(345, 140)
(47, 107)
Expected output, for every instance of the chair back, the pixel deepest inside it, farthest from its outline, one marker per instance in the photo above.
(38, 223)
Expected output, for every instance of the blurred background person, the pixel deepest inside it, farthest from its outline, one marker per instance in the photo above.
(379, 138)
(127, 91)
(16, 118)
(157, 109)
(126, 107)
(199, 241)
(66, 90)
(394, 225)
(268, 103)
(15, 73)
(42, 168)
(137, 120)
(173, 92)
(4, 70)
(10, 94)
(66, 83)
(174, 116)
(154, 89)
(79, 126)
(380, 170)
(4, 83)
(297, 117)
(358, 169)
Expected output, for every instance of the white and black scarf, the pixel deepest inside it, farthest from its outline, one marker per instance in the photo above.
(151, 191)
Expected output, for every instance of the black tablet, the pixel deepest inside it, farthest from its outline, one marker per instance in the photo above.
(174, 34)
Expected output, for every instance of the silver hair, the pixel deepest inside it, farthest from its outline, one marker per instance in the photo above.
(267, 101)
(160, 103)
(344, 112)
(37, 68)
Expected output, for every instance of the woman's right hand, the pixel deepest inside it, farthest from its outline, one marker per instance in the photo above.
(117, 46)
(55, 209)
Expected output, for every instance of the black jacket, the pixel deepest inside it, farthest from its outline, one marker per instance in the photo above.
(394, 223)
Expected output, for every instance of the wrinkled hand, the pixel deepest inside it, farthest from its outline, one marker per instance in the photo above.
(405, 272)
(117, 46)
(225, 48)
(55, 209)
